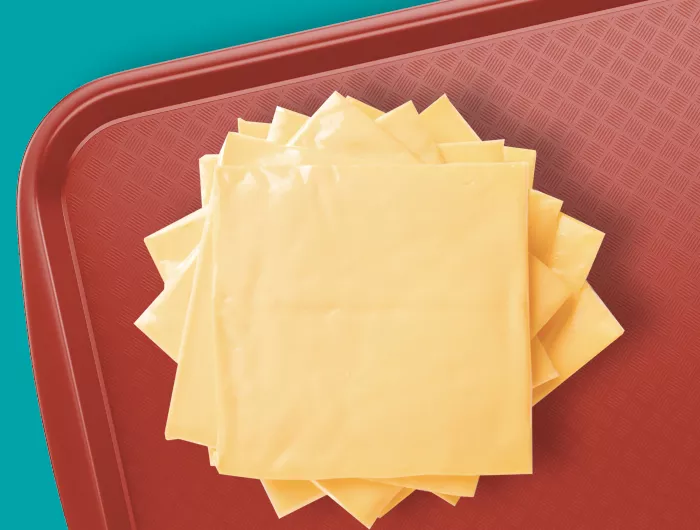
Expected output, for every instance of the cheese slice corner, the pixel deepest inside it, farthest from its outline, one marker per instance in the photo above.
(253, 128)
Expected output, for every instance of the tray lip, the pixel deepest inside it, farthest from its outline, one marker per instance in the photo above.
(84, 502)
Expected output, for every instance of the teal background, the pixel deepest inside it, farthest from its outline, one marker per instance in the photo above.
(48, 50)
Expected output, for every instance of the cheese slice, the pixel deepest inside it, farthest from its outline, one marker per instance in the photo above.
(548, 292)
(403, 123)
(358, 136)
(371, 112)
(476, 151)
(191, 415)
(581, 329)
(573, 250)
(443, 122)
(352, 494)
(253, 128)
(544, 220)
(398, 499)
(207, 163)
(543, 369)
(449, 499)
(164, 320)
(444, 484)
(285, 124)
(349, 317)
(288, 496)
(170, 246)
(518, 154)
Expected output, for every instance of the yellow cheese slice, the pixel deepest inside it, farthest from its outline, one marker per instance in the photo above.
(358, 136)
(476, 151)
(285, 124)
(287, 496)
(191, 415)
(406, 492)
(444, 484)
(403, 123)
(548, 292)
(544, 219)
(369, 110)
(443, 122)
(164, 320)
(573, 250)
(580, 330)
(398, 499)
(518, 154)
(171, 246)
(253, 128)
(352, 494)
(543, 369)
(321, 310)
(449, 499)
(207, 163)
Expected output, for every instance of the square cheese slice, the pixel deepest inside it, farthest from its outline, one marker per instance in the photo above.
(381, 265)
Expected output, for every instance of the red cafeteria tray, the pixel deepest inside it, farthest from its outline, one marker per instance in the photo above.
(611, 102)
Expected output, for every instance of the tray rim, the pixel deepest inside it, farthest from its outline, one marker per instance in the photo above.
(80, 436)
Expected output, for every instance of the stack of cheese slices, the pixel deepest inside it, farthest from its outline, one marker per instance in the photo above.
(369, 304)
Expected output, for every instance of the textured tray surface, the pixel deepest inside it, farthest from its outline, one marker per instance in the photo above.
(611, 102)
